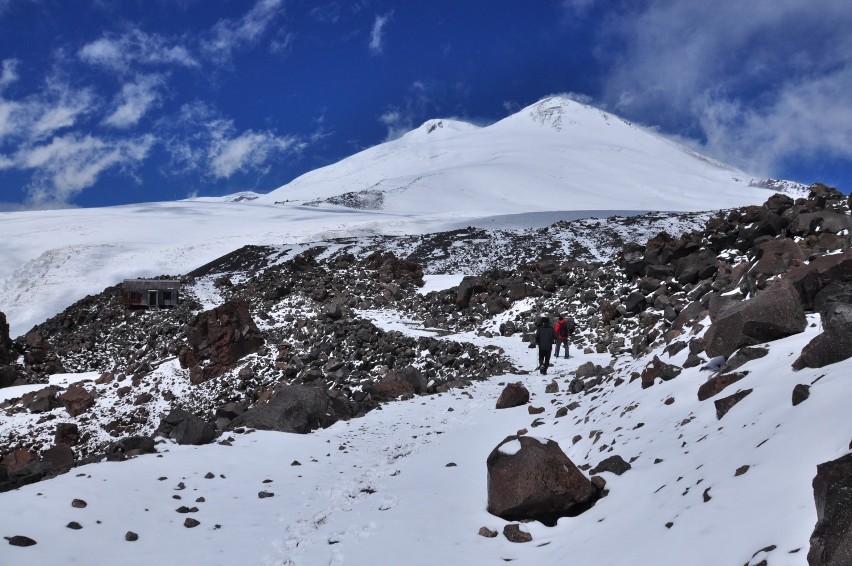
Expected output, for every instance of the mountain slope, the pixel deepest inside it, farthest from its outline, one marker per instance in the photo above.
(554, 155)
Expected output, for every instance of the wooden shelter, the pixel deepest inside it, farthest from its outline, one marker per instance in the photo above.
(150, 293)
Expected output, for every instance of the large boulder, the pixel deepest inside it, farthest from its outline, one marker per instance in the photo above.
(775, 257)
(293, 408)
(39, 355)
(531, 478)
(217, 339)
(772, 314)
(831, 541)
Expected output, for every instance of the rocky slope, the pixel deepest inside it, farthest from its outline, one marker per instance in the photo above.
(265, 325)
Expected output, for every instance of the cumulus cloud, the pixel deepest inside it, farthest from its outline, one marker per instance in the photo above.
(120, 53)
(68, 164)
(134, 101)
(377, 33)
(230, 35)
(757, 82)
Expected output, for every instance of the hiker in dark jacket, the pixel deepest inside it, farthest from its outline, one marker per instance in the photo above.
(561, 330)
(544, 338)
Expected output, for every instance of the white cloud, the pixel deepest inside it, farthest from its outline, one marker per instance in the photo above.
(68, 164)
(216, 148)
(135, 100)
(397, 123)
(61, 107)
(759, 82)
(377, 33)
(9, 73)
(230, 35)
(120, 53)
(249, 150)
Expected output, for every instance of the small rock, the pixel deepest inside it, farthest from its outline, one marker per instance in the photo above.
(800, 393)
(74, 525)
(514, 533)
(295, 463)
(535, 410)
(486, 532)
(78, 504)
(264, 494)
(190, 523)
(209, 476)
(130, 536)
(19, 540)
(741, 470)
(451, 465)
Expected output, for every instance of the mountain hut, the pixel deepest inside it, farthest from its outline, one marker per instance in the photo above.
(150, 293)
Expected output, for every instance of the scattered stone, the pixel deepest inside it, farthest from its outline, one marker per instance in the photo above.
(614, 464)
(513, 395)
(717, 384)
(741, 470)
(264, 494)
(130, 536)
(486, 532)
(78, 504)
(74, 525)
(190, 523)
(20, 540)
(726, 404)
(800, 393)
(513, 533)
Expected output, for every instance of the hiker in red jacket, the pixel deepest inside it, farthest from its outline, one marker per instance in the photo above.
(562, 331)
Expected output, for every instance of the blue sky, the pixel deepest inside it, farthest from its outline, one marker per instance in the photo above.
(112, 102)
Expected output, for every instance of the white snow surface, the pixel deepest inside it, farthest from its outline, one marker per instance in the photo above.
(378, 489)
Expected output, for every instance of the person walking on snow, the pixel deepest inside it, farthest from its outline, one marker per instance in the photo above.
(544, 338)
(561, 330)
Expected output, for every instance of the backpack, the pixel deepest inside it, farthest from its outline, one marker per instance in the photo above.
(561, 329)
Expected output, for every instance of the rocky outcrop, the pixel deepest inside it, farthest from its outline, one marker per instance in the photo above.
(831, 541)
(530, 478)
(217, 339)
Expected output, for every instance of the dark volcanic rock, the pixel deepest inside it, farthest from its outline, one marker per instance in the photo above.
(76, 400)
(658, 368)
(831, 541)
(532, 479)
(217, 339)
(800, 393)
(726, 403)
(185, 428)
(716, 384)
(513, 533)
(513, 395)
(774, 313)
(614, 464)
(293, 408)
(834, 344)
